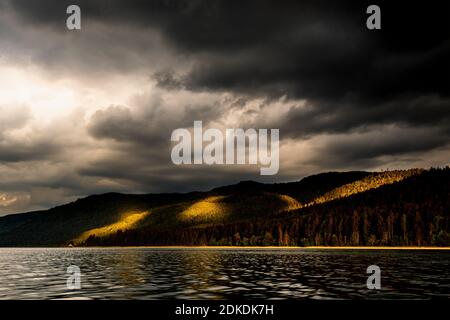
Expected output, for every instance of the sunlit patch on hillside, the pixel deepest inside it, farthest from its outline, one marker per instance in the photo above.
(207, 209)
(289, 203)
(128, 221)
(371, 182)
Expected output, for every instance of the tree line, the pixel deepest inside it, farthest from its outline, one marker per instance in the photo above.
(412, 212)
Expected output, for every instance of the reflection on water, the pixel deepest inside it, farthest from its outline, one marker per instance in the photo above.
(148, 273)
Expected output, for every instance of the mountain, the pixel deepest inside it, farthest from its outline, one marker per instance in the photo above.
(408, 207)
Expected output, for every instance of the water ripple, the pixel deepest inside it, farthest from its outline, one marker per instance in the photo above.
(145, 273)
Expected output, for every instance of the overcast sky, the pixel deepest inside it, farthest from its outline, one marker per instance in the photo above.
(92, 111)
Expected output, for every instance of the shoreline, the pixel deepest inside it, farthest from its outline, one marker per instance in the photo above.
(247, 247)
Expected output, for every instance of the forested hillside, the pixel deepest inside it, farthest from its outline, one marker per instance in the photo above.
(391, 208)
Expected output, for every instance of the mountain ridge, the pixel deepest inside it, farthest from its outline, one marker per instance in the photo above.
(115, 218)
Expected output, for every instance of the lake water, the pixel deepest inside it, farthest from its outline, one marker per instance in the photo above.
(148, 273)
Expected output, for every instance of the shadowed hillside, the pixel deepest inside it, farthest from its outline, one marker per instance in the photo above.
(409, 207)
(61, 224)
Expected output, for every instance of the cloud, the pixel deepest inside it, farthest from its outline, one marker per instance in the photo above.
(312, 49)
(377, 147)
(318, 117)
(92, 111)
(13, 117)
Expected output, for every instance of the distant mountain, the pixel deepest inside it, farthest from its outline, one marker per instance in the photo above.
(410, 207)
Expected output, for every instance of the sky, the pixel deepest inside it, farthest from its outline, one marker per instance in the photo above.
(91, 111)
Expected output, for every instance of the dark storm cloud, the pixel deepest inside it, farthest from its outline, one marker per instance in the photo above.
(163, 176)
(152, 127)
(142, 147)
(324, 117)
(13, 149)
(304, 49)
(315, 50)
(367, 149)
(26, 152)
(167, 79)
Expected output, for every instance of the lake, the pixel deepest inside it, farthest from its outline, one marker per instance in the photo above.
(222, 273)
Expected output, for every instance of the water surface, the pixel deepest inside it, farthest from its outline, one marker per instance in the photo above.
(210, 273)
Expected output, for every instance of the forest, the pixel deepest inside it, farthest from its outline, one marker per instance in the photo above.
(411, 208)
(387, 208)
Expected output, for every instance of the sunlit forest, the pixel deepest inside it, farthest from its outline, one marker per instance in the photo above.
(389, 208)
(400, 208)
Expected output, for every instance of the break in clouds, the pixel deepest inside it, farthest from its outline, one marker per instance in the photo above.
(92, 110)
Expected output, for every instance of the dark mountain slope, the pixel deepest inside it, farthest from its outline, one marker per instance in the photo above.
(303, 191)
(412, 212)
(320, 209)
(59, 225)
